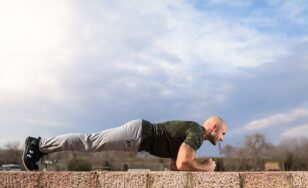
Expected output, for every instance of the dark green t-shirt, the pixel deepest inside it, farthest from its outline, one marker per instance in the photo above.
(165, 139)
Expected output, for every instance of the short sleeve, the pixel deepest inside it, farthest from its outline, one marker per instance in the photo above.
(194, 140)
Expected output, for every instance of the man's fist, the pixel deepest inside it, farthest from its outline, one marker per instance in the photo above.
(211, 165)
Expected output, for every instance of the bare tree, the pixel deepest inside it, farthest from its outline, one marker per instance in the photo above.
(11, 154)
(294, 151)
(250, 154)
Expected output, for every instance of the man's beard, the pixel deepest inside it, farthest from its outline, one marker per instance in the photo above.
(212, 139)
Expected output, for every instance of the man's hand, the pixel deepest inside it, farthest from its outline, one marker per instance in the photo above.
(210, 164)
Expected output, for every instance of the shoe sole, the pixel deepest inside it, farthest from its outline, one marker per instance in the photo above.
(24, 154)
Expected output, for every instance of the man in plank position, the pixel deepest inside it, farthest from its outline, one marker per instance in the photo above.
(178, 140)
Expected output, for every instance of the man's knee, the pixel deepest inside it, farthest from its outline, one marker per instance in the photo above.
(77, 142)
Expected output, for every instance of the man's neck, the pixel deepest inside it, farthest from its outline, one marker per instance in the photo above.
(205, 132)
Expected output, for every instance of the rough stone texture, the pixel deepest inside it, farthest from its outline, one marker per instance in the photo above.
(68, 179)
(153, 179)
(216, 179)
(168, 179)
(299, 179)
(16, 179)
(122, 179)
(265, 180)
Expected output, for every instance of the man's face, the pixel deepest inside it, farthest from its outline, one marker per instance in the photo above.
(217, 134)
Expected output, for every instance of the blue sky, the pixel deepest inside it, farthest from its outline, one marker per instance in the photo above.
(84, 66)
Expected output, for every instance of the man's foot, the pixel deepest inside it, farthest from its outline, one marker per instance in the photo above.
(31, 154)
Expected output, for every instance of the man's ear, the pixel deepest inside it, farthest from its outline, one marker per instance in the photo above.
(214, 127)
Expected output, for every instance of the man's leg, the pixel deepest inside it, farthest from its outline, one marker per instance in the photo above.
(126, 137)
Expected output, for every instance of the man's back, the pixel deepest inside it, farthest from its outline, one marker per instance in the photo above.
(164, 139)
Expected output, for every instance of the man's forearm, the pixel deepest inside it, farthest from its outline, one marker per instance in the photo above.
(193, 165)
(186, 160)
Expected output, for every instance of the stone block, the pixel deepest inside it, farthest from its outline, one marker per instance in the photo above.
(215, 179)
(168, 179)
(299, 179)
(122, 179)
(19, 179)
(153, 179)
(68, 179)
(265, 180)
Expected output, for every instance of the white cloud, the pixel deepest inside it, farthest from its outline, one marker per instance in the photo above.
(203, 38)
(277, 119)
(232, 3)
(38, 46)
(298, 131)
(295, 11)
(33, 49)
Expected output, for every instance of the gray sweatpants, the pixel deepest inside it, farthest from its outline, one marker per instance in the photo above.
(126, 138)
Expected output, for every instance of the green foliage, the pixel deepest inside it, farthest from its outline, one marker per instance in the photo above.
(219, 164)
(79, 164)
(125, 167)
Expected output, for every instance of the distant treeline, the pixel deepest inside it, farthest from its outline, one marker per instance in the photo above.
(255, 151)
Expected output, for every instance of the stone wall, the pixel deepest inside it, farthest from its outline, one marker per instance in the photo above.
(154, 179)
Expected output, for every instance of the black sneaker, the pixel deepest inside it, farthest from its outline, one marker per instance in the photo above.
(31, 154)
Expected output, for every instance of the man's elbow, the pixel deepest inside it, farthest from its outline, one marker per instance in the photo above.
(183, 165)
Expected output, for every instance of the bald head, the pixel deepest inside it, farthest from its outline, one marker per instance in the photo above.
(216, 128)
(218, 121)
